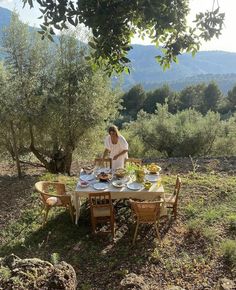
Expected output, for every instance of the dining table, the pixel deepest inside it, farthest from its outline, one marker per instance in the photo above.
(129, 190)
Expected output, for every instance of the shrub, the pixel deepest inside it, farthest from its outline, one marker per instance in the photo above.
(197, 228)
(228, 248)
(190, 211)
(232, 224)
(182, 134)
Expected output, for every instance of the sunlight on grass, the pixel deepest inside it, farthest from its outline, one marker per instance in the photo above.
(204, 221)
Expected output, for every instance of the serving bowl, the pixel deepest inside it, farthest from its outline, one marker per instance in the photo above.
(153, 168)
(147, 184)
(83, 183)
(104, 176)
(120, 172)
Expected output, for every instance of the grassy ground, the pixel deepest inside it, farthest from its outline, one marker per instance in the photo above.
(197, 249)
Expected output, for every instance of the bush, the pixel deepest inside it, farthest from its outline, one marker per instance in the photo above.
(228, 248)
(232, 224)
(197, 228)
(185, 133)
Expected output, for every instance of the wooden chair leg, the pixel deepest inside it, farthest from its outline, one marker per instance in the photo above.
(175, 212)
(93, 225)
(158, 234)
(112, 224)
(71, 214)
(135, 232)
(47, 208)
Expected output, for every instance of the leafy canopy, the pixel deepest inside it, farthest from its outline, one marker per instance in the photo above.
(114, 22)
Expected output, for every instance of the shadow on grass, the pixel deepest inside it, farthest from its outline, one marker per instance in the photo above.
(91, 256)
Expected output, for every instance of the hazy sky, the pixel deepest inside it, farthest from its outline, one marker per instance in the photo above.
(227, 40)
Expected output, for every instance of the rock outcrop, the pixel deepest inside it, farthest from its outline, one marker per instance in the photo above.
(21, 274)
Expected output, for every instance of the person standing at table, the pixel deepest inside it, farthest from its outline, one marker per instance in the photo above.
(117, 147)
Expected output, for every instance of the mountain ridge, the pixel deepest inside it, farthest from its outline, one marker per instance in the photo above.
(220, 65)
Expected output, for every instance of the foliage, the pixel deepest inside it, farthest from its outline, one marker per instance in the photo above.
(133, 101)
(24, 64)
(212, 97)
(200, 97)
(113, 23)
(192, 97)
(158, 96)
(225, 142)
(183, 134)
(57, 101)
(232, 224)
(229, 252)
(55, 258)
(232, 99)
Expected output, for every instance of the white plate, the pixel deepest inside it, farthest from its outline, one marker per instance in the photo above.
(118, 183)
(100, 185)
(151, 177)
(87, 177)
(135, 186)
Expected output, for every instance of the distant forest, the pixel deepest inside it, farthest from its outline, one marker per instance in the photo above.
(201, 97)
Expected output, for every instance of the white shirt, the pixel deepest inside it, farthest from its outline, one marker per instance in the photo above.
(116, 149)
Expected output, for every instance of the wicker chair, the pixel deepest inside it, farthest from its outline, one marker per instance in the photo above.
(146, 213)
(172, 200)
(102, 211)
(53, 194)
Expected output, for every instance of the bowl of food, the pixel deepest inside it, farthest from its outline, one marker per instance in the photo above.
(83, 183)
(147, 184)
(104, 176)
(120, 172)
(153, 168)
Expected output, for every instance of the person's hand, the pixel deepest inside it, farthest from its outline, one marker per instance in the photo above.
(115, 157)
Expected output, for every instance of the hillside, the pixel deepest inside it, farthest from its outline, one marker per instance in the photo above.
(5, 17)
(197, 250)
(219, 66)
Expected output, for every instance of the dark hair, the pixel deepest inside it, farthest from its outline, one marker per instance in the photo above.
(113, 128)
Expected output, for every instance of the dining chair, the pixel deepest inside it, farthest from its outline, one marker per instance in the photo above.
(103, 162)
(102, 211)
(136, 161)
(146, 213)
(171, 201)
(53, 194)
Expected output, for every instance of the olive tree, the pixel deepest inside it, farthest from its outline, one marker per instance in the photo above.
(22, 96)
(81, 100)
(55, 93)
